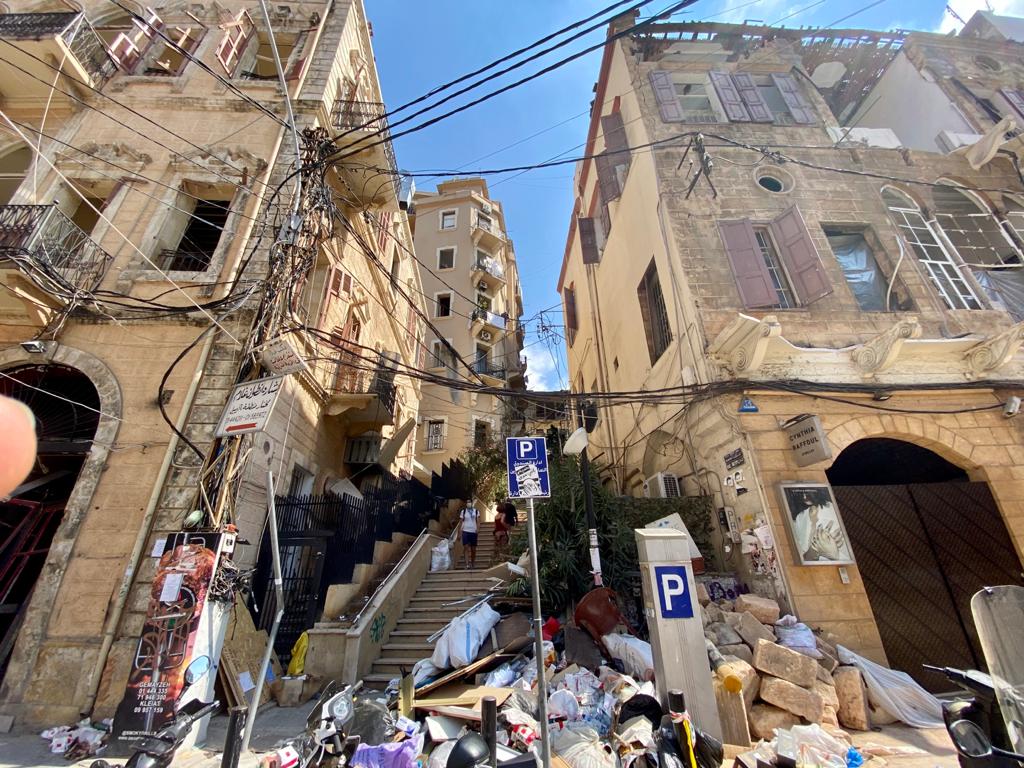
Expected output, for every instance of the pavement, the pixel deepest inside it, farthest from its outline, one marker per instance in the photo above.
(275, 724)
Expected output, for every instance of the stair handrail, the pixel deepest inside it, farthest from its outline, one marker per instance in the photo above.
(398, 568)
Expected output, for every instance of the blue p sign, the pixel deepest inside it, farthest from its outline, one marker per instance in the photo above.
(674, 599)
(526, 449)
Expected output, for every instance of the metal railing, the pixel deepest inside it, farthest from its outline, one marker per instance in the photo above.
(44, 234)
(370, 117)
(488, 226)
(177, 260)
(498, 321)
(485, 368)
(491, 267)
(88, 47)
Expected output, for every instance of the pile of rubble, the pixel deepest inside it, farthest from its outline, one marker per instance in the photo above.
(786, 673)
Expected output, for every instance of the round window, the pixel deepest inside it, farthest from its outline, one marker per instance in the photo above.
(987, 63)
(770, 183)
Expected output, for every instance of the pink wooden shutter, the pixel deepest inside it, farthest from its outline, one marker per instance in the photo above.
(1016, 99)
(607, 177)
(124, 52)
(297, 59)
(799, 107)
(756, 106)
(734, 107)
(588, 241)
(237, 34)
(748, 267)
(797, 251)
(665, 93)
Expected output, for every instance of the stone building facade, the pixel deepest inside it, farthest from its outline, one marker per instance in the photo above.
(163, 143)
(471, 279)
(793, 274)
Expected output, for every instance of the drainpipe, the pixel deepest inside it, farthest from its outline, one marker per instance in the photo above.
(138, 549)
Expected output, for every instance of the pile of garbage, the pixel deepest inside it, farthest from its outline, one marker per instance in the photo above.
(75, 742)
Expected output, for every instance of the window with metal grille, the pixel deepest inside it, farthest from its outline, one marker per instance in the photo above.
(976, 234)
(481, 433)
(775, 269)
(654, 313)
(199, 240)
(945, 274)
(435, 435)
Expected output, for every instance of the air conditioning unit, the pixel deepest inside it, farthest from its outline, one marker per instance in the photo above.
(662, 486)
(482, 286)
(485, 335)
(485, 208)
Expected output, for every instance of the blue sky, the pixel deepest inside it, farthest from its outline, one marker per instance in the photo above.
(420, 44)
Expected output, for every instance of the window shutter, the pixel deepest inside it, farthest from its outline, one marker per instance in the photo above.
(607, 178)
(124, 52)
(588, 241)
(665, 93)
(797, 251)
(297, 59)
(799, 107)
(1016, 99)
(237, 34)
(734, 107)
(615, 137)
(747, 262)
(570, 310)
(128, 48)
(756, 106)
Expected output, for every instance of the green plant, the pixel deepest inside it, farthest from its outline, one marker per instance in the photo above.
(485, 466)
(561, 522)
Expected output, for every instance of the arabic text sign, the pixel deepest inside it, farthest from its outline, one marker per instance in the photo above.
(249, 406)
(527, 467)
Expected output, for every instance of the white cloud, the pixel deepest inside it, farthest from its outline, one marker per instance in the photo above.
(966, 8)
(540, 367)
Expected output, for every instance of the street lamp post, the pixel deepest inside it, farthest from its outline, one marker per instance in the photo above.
(577, 445)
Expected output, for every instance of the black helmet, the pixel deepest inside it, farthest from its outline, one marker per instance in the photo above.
(468, 752)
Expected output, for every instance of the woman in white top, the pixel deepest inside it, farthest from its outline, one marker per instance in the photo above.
(469, 516)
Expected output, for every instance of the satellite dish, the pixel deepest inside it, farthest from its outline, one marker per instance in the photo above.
(390, 449)
(576, 443)
(828, 74)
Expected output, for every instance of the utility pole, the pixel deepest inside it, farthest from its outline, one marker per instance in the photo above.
(588, 420)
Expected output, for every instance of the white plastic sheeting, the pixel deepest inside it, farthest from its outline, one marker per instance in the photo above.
(441, 557)
(461, 641)
(896, 692)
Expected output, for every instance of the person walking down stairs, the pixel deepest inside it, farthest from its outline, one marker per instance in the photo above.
(470, 517)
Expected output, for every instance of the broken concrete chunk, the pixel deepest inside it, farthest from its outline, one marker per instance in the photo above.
(764, 609)
(853, 699)
(722, 634)
(752, 630)
(792, 698)
(711, 614)
(764, 719)
(785, 664)
(824, 675)
(731, 618)
(827, 692)
(741, 651)
(726, 605)
(702, 594)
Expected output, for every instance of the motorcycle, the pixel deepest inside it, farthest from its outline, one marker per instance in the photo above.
(988, 729)
(325, 741)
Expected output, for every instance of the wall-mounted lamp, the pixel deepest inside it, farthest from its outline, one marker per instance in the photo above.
(34, 347)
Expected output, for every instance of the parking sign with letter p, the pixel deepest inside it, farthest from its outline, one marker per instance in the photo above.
(674, 600)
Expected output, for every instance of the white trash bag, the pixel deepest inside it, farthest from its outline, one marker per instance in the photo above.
(634, 653)
(461, 641)
(896, 692)
(441, 557)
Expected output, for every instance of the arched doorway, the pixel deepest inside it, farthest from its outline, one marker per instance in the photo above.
(925, 539)
(66, 406)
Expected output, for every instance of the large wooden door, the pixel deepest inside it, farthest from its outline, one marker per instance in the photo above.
(923, 550)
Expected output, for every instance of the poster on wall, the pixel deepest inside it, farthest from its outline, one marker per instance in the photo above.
(171, 637)
(814, 525)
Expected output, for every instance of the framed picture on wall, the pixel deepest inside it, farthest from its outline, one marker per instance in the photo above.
(814, 524)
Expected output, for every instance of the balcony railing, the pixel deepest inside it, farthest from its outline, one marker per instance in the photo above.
(491, 266)
(45, 235)
(177, 260)
(486, 368)
(489, 318)
(366, 117)
(73, 29)
(350, 379)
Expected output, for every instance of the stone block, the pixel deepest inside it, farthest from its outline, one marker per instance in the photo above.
(829, 716)
(752, 630)
(731, 618)
(702, 594)
(853, 699)
(764, 609)
(741, 651)
(764, 719)
(721, 634)
(824, 675)
(711, 614)
(827, 693)
(783, 663)
(792, 698)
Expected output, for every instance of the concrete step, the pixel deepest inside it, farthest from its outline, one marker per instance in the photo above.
(462, 602)
(409, 636)
(393, 665)
(408, 649)
(377, 682)
(426, 626)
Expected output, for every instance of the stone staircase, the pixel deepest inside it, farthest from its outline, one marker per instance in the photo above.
(428, 611)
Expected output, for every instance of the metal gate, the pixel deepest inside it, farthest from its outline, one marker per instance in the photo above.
(922, 551)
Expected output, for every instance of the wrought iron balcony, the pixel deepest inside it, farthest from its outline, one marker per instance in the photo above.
(363, 130)
(488, 270)
(45, 237)
(489, 321)
(487, 368)
(486, 231)
(66, 37)
(365, 397)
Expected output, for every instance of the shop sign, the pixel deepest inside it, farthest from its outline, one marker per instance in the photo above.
(807, 440)
(249, 406)
(280, 357)
(734, 459)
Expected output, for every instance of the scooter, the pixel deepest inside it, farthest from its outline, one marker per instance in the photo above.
(325, 741)
(981, 709)
(973, 743)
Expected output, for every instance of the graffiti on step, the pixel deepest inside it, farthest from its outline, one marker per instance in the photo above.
(377, 627)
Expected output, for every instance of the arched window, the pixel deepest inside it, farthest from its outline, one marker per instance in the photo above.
(974, 232)
(942, 269)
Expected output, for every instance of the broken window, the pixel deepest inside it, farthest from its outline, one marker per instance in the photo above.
(234, 41)
(945, 274)
(867, 282)
(654, 313)
(443, 305)
(775, 265)
(971, 228)
(689, 97)
(192, 233)
(13, 167)
(257, 61)
(165, 59)
(129, 44)
(442, 354)
(481, 433)
(448, 219)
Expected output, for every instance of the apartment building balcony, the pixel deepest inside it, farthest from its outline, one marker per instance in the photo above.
(40, 245)
(369, 172)
(363, 450)
(488, 273)
(487, 326)
(38, 40)
(516, 377)
(492, 374)
(364, 398)
(485, 232)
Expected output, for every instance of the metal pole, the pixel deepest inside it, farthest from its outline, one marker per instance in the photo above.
(279, 602)
(489, 728)
(588, 499)
(538, 644)
(232, 744)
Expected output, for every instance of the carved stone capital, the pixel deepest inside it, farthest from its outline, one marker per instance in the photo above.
(993, 353)
(103, 157)
(222, 161)
(741, 346)
(879, 353)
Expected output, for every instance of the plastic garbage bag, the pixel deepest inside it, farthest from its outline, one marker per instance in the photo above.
(581, 682)
(401, 754)
(896, 692)
(583, 748)
(502, 676)
(423, 670)
(439, 757)
(810, 745)
(441, 556)
(563, 703)
(634, 653)
(462, 638)
(524, 701)
(622, 687)
(796, 636)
